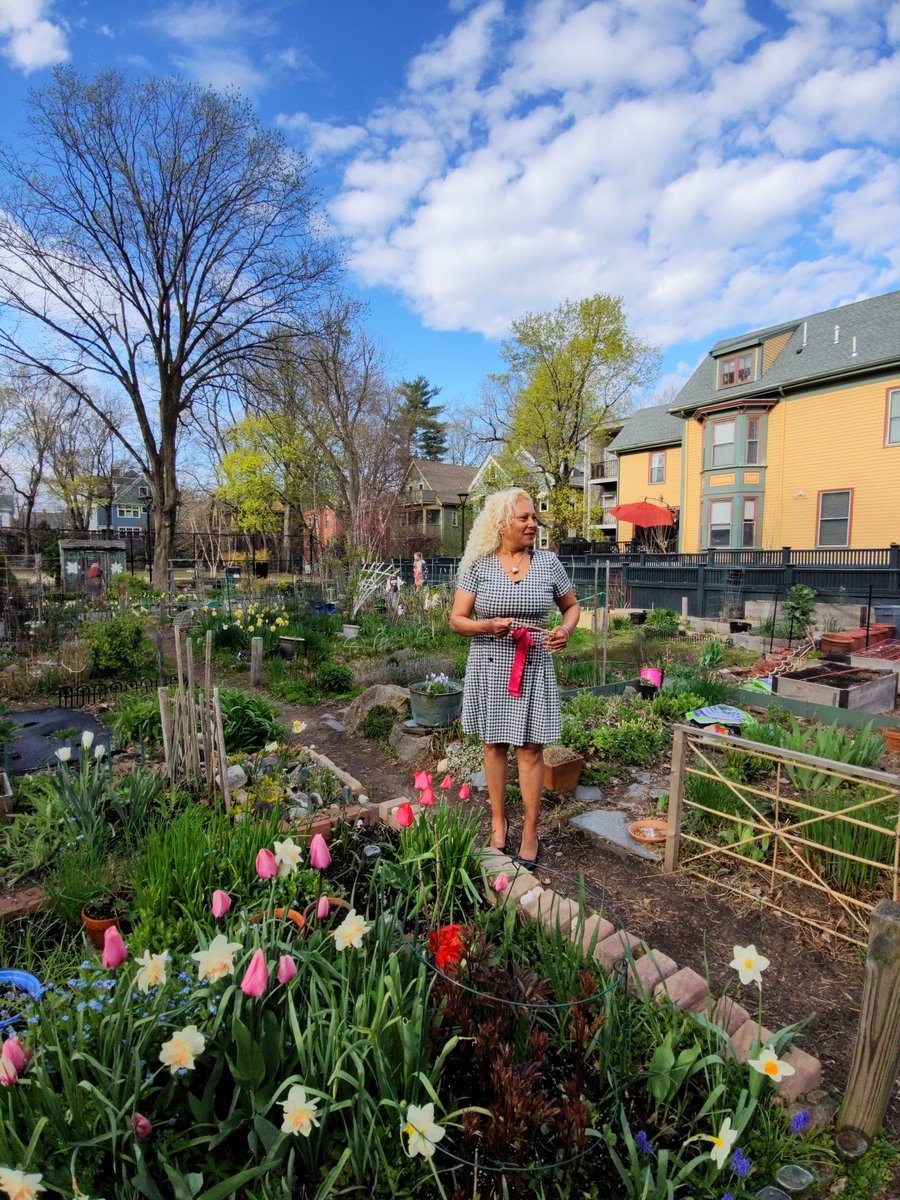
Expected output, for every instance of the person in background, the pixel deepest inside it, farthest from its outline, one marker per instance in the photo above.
(420, 570)
(392, 594)
(505, 590)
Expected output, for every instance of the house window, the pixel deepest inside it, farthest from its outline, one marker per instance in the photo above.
(658, 466)
(834, 518)
(722, 435)
(543, 505)
(128, 510)
(719, 523)
(735, 370)
(143, 491)
(434, 516)
(749, 523)
(752, 452)
(893, 418)
(455, 519)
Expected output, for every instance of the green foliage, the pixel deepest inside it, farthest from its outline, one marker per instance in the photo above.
(799, 607)
(662, 620)
(30, 842)
(427, 432)
(119, 647)
(134, 718)
(712, 654)
(633, 743)
(620, 624)
(860, 748)
(334, 679)
(249, 722)
(378, 723)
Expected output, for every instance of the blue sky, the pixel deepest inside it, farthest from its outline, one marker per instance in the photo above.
(719, 164)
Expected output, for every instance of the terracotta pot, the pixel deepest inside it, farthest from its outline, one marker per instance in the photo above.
(309, 913)
(563, 776)
(288, 914)
(96, 927)
(891, 740)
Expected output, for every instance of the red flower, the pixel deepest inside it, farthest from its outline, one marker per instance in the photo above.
(404, 816)
(448, 947)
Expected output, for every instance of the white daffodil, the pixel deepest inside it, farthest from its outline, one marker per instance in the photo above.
(288, 855)
(181, 1050)
(87, 740)
(299, 1112)
(421, 1130)
(152, 971)
(64, 754)
(351, 931)
(770, 1064)
(18, 1185)
(749, 964)
(722, 1143)
(270, 747)
(298, 727)
(217, 960)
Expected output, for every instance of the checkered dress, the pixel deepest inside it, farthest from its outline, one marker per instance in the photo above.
(489, 711)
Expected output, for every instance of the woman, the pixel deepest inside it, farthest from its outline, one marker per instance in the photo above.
(505, 590)
(420, 570)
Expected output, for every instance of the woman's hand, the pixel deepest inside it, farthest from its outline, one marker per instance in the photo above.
(556, 639)
(498, 626)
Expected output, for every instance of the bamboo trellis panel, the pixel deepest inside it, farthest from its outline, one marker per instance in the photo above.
(774, 824)
(193, 737)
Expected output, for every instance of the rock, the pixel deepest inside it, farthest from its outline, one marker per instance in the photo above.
(184, 619)
(236, 777)
(642, 777)
(334, 724)
(479, 780)
(387, 694)
(408, 747)
(629, 691)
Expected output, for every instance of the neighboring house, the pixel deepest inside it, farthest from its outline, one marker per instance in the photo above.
(492, 476)
(648, 449)
(7, 510)
(126, 513)
(431, 500)
(792, 434)
(600, 478)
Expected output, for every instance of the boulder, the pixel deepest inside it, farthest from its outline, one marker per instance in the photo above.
(387, 694)
(409, 747)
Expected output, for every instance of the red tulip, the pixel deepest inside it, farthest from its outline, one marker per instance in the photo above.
(8, 1073)
(464, 792)
(221, 901)
(427, 797)
(114, 949)
(448, 947)
(319, 856)
(141, 1126)
(14, 1054)
(446, 783)
(404, 816)
(287, 968)
(266, 866)
(256, 977)
(421, 780)
(323, 909)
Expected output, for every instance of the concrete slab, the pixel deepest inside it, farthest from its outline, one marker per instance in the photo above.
(613, 827)
(587, 791)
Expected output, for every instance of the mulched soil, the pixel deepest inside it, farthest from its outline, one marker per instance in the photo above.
(811, 978)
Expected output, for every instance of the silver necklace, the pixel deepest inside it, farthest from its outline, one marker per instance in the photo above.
(515, 570)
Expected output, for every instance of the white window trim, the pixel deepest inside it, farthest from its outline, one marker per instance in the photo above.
(848, 492)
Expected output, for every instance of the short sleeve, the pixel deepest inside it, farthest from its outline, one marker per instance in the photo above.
(561, 581)
(467, 580)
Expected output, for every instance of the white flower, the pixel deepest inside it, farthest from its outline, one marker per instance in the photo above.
(749, 964)
(18, 1185)
(99, 751)
(298, 727)
(421, 1130)
(270, 747)
(351, 931)
(152, 972)
(288, 855)
(722, 1143)
(217, 960)
(180, 1051)
(87, 740)
(770, 1064)
(299, 1112)
(64, 754)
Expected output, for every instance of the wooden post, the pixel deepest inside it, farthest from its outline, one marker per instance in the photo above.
(256, 660)
(605, 623)
(165, 714)
(876, 1055)
(676, 796)
(219, 738)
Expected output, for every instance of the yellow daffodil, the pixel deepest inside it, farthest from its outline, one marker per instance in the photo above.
(421, 1130)
(152, 971)
(298, 727)
(749, 964)
(351, 931)
(180, 1051)
(299, 1112)
(722, 1143)
(19, 1186)
(770, 1064)
(288, 855)
(217, 960)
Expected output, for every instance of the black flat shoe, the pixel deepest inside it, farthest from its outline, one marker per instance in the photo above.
(530, 862)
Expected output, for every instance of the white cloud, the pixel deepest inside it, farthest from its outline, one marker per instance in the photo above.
(30, 40)
(711, 169)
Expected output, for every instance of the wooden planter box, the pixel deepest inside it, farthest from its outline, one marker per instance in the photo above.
(562, 772)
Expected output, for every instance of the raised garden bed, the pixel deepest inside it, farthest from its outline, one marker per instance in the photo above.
(840, 687)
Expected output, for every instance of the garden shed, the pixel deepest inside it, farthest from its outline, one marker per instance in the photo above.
(86, 565)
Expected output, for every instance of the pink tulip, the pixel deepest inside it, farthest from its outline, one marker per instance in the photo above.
(8, 1073)
(404, 816)
(318, 853)
(464, 792)
(427, 797)
(142, 1127)
(421, 780)
(114, 949)
(501, 883)
(287, 968)
(256, 977)
(221, 901)
(14, 1054)
(266, 866)
(446, 783)
(324, 908)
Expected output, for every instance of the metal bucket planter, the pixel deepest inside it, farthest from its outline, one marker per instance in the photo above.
(290, 647)
(432, 709)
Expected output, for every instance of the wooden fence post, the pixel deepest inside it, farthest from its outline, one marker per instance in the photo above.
(676, 796)
(876, 1055)
(256, 661)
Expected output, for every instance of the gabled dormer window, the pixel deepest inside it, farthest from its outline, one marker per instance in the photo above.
(736, 369)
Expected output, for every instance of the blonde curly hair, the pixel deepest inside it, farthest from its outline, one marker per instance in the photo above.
(496, 515)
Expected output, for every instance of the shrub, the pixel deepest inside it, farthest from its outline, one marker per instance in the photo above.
(119, 647)
(378, 723)
(633, 744)
(620, 624)
(135, 718)
(799, 606)
(334, 679)
(662, 620)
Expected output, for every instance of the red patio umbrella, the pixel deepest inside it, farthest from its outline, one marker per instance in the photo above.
(643, 513)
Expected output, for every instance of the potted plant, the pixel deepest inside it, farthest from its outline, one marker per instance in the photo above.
(562, 768)
(290, 646)
(436, 701)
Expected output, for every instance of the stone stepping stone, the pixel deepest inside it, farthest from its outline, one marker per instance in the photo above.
(612, 826)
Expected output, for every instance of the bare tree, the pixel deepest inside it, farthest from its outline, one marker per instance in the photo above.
(32, 412)
(86, 459)
(157, 235)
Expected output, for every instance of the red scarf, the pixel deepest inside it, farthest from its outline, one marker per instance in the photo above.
(523, 640)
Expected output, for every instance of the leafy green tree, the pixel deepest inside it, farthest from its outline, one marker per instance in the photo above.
(427, 433)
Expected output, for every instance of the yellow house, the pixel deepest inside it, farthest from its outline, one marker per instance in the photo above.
(790, 436)
(648, 447)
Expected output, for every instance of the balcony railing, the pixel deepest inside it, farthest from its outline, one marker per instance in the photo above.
(426, 496)
(607, 468)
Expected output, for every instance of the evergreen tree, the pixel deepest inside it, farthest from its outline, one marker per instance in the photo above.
(427, 433)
